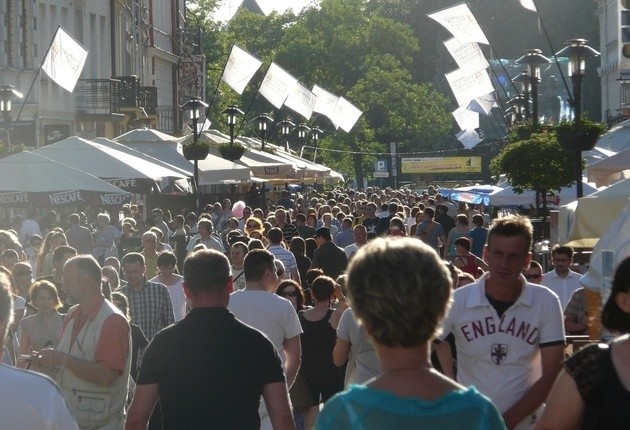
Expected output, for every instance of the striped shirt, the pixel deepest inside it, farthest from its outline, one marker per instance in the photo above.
(287, 258)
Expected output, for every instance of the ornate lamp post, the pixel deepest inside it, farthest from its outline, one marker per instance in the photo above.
(521, 101)
(302, 132)
(577, 50)
(286, 126)
(7, 94)
(316, 133)
(195, 107)
(264, 123)
(533, 58)
(231, 113)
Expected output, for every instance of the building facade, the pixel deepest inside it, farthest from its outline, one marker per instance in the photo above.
(130, 78)
(614, 28)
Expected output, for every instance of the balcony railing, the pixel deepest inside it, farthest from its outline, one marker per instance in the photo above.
(96, 96)
(108, 96)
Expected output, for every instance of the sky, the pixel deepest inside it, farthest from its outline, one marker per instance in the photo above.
(229, 7)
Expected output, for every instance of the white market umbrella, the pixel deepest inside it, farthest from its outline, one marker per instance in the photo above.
(29, 179)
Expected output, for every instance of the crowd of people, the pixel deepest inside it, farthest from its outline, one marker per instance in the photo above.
(354, 309)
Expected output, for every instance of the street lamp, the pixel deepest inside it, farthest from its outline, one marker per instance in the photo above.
(517, 111)
(231, 113)
(7, 94)
(195, 106)
(522, 99)
(302, 132)
(316, 133)
(285, 130)
(533, 58)
(264, 122)
(577, 50)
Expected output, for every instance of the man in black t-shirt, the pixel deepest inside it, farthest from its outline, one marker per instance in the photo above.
(209, 369)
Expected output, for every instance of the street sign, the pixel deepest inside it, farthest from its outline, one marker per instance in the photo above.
(381, 174)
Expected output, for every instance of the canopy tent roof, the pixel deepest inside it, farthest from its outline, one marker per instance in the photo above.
(611, 169)
(29, 179)
(616, 239)
(308, 171)
(124, 170)
(146, 135)
(582, 223)
(474, 194)
(212, 170)
(617, 139)
(129, 150)
(263, 165)
(506, 197)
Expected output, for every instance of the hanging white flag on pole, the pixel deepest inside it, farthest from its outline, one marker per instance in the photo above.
(64, 60)
(276, 85)
(325, 103)
(462, 24)
(468, 56)
(529, 5)
(239, 69)
(467, 86)
(469, 138)
(466, 119)
(483, 104)
(301, 100)
(346, 114)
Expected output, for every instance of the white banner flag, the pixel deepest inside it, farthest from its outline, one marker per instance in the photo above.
(462, 24)
(301, 100)
(469, 138)
(483, 104)
(466, 119)
(240, 69)
(529, 5)
(346, 114)
(65, 60)
(468, 86)
(468, 56)
(277, 85)
(325, 103)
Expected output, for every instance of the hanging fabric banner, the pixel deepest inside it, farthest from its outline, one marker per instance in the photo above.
(461, 23)
(240, 69)
(468, 86)
(301, 100)
(468, 56)
(276, 85)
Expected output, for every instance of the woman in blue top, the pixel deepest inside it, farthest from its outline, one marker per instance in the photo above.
(400, 291)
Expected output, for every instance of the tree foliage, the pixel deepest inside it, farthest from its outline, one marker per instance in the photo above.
(352, 52)
(537, 163)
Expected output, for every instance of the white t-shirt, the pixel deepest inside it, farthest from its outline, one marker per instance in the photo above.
(275, 316)
(563, 287)
(501, 356)
(176, 291)
(363, 363)
(32, 401)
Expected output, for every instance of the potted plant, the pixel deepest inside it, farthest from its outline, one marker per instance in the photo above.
(231, 151)
(579, 136)
(196, 150)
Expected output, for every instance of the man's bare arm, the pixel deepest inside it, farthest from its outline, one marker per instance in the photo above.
(551, 357)
(142, 406)
(292, 358)
(277, 401)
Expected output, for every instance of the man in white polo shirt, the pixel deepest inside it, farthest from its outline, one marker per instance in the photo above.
(508, 333)
(562, 280)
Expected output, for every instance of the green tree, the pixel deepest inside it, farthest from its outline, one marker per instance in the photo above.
(538, 163)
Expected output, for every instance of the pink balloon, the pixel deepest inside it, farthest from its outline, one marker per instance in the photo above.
(237, 209)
